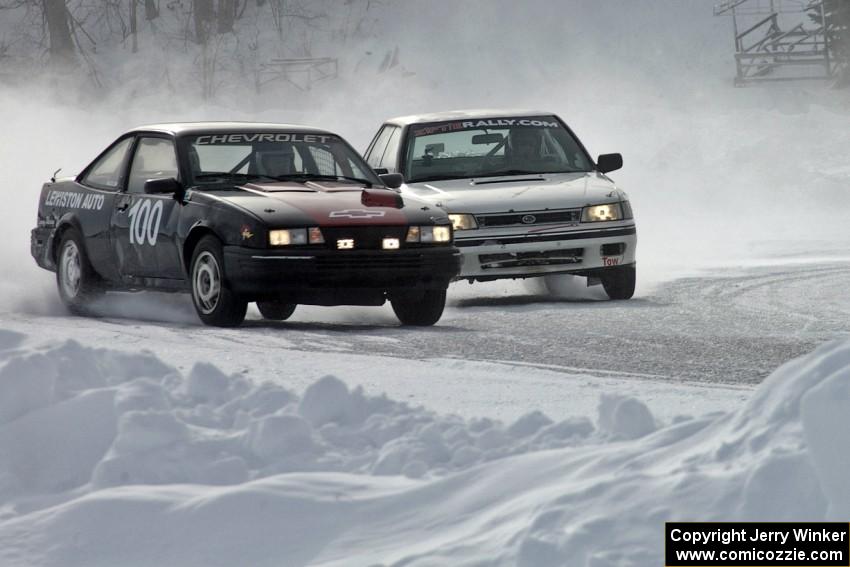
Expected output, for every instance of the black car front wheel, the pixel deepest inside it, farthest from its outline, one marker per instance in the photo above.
(619, 282)
(77, 281)
(276, 310)
(420, 310)
(215, 303)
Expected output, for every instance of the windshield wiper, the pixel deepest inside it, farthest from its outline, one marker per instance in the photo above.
(304, 177)
(508, 172)
(435, 178)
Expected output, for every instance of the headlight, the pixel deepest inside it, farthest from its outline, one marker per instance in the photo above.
(441, 233)
(429, 234)
(463, 222)
(597, 213)
(288, 237)
(412, 234)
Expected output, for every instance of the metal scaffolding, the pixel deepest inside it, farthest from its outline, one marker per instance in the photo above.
(302, 73)
(776, 40)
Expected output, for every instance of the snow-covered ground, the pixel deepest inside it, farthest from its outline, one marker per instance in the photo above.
(522, 430)
(110, 458)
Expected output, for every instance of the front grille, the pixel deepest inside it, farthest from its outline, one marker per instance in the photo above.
(517, 259)
(529, 218)
(365, 237)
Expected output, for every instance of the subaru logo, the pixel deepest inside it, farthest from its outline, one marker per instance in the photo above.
(529, 219)
(356, 214)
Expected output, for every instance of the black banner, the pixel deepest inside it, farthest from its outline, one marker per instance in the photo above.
(757, 544)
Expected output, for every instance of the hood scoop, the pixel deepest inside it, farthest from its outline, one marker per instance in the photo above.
(381, 198)
(265, 189)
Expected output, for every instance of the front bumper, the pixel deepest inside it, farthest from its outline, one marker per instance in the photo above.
(581, 251)
(41, 244)
(328, 277)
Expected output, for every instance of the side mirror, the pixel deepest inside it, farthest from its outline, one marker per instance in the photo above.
(392, 180)
(162, 186)
(609, 162)
(381, 170)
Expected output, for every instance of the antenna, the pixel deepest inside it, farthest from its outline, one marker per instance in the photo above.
(55, 173)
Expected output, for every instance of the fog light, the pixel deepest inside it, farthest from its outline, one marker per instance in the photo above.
(345, 244)
(391, 244)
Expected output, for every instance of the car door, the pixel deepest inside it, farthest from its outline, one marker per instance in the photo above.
(143, 236)
(102, 182)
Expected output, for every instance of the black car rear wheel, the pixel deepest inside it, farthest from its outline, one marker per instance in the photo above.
(276, 310)
(215, 303)
(420, 310)
(77, 281)
(619, 282)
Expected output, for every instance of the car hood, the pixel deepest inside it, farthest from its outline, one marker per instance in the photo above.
(329, 204)
(518, 192)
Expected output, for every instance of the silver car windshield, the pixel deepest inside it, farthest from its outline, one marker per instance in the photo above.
(492, 147)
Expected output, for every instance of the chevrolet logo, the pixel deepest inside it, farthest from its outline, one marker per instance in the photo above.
(356, 214)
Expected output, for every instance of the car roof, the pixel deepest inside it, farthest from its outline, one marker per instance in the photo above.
(465, 114)
(192, 128)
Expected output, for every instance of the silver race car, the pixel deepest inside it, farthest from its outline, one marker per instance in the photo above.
(524, 195)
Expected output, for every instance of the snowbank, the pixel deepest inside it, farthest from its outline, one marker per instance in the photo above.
(109, 458)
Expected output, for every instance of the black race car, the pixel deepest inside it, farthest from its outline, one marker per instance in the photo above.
(243, 212)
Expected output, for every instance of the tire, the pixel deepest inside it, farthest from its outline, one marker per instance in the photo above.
(420, 310)
(215, 303)
(78, 283)
(276, 310)
(619, 282)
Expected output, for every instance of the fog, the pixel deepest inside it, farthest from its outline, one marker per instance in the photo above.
(718, 176)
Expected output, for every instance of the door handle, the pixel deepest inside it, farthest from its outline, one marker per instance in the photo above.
(123, 207)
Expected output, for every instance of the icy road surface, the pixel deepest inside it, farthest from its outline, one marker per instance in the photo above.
(729, 326)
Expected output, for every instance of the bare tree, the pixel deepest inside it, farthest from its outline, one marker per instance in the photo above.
(134, 26)
(151, 10)
(59, 29)
(834, 15)
(203, 13)
(226, 15)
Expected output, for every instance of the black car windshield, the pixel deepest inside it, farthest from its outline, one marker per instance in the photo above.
(232, 158)
(491, 147)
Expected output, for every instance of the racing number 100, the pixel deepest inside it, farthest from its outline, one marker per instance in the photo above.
(145, 218)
